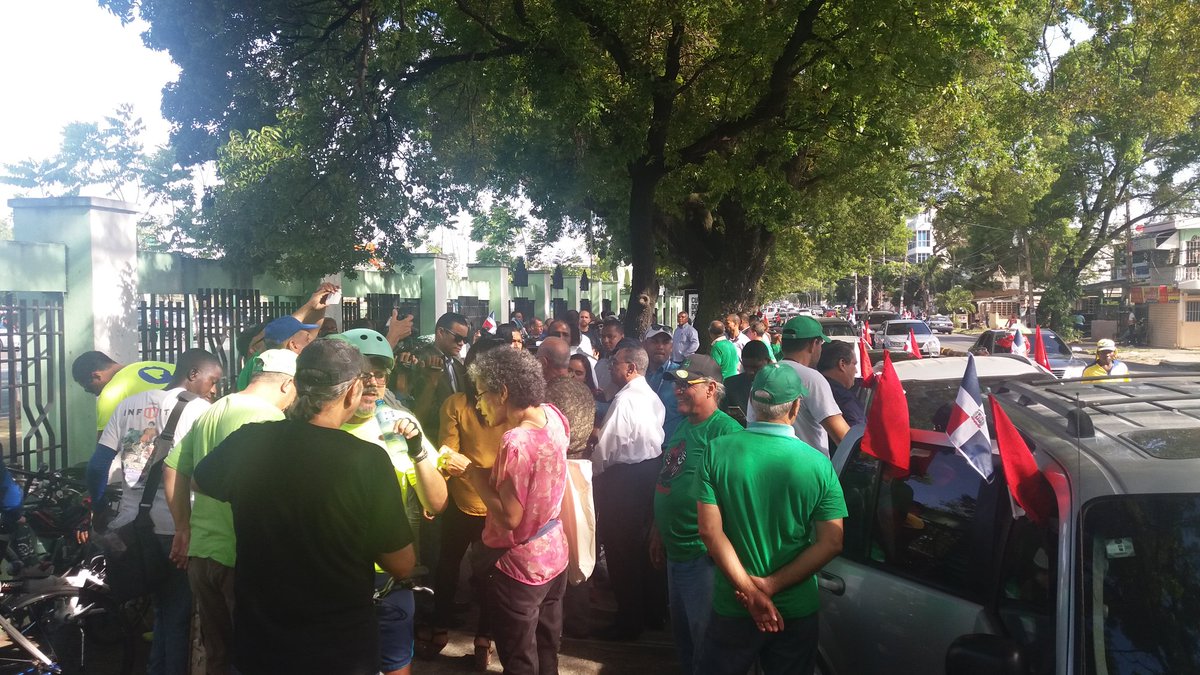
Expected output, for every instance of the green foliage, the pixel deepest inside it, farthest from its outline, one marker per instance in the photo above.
(710, 128)
(956, 300)
(500, 229)
(106, 154)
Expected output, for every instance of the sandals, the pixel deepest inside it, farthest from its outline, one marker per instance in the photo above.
(483, 654)
(429, 641)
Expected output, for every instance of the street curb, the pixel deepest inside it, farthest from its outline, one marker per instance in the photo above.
(1182, 365)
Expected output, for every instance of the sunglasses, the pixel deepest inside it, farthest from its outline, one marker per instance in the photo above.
(562, 334)
(460, 339)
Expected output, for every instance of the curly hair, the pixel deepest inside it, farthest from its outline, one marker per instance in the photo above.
(510, 369)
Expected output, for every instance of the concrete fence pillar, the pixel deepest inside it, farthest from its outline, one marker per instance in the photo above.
(435, 288)
(100, 305)
(539, 284)
(571, 291)
(496, 277)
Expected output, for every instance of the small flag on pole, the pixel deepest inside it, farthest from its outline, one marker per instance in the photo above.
(1026, 483)
(866, 333)
(1020, 345)
(489, 324)
(864, 364)
(967, 427)
(913, 347)
(1039, 349)
(887, 433)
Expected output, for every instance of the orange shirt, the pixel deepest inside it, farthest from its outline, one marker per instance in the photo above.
(464, 431)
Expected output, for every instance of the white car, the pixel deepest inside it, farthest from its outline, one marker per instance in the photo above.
(894, 334)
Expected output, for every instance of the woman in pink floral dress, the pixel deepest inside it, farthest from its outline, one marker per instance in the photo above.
(523, 493)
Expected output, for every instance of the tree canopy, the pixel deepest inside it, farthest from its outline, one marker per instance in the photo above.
(717, 137)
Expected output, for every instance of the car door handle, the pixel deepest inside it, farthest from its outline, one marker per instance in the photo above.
(831, 582)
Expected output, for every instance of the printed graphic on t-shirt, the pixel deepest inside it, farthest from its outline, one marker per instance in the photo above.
(137, 445)
(673, 463)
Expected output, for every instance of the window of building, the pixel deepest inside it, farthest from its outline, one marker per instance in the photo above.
(1193, 251)
(922, 257)
(923, 239)
(1193, 311)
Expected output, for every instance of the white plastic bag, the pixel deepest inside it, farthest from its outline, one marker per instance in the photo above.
(578, 516)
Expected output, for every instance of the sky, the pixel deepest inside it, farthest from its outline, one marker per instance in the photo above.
(66, 61)
(70, 60)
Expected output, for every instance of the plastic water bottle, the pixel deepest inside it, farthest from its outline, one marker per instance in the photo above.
(387, 417)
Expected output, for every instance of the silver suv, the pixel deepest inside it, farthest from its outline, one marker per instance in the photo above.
(937, 576)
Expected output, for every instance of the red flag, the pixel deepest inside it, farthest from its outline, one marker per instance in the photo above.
(887, 433)
(1039, 349)
(913, 347)
(1025, 481)
(866, 333)
(864, 364)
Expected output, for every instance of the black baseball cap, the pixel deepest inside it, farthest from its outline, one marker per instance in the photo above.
(328, 362)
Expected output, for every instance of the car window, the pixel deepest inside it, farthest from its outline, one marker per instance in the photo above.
(1026, 603)
(1055, 346)
(859, 479)
(838, 329)
(1141, 585)
(902, 328)
(935, 525)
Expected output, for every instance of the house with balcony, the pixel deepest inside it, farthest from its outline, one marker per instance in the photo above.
(1160, 265)
(920, 240)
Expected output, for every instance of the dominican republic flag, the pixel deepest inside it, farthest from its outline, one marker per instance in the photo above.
(489, 324)
(1039, 350)
(967, 427)
(1020, 344)
(913, 347)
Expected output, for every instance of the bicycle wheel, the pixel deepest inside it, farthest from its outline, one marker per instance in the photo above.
(77, 630)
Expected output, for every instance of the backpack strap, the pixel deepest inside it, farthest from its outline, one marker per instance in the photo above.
(162, 445)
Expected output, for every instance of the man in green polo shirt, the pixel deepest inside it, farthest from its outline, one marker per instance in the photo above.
(675, 539)
(204, 540)
(770, 512)
(722, 350)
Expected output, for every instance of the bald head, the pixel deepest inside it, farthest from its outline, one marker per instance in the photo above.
(716, 328)
(555, 355)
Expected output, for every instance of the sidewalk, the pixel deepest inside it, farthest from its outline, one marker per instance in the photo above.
(1182, 359)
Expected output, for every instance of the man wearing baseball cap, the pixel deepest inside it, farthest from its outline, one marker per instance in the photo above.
(204, 542)
(674, 538)
(820, 422)
(314, 508)
(658, 346)
(1106, 362)
(770, 513)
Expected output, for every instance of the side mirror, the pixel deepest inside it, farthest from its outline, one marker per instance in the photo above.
(984, 654)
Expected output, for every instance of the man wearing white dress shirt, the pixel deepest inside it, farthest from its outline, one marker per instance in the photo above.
(625, 465)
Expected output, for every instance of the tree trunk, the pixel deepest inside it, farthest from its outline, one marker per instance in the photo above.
(643, 254)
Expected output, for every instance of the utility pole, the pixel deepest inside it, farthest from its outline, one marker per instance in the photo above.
(1031, 311)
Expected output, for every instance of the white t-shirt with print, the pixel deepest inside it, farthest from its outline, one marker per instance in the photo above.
(131, 431)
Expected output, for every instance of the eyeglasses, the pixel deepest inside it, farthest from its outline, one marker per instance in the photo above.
(561, 334)
(376, 375)
(680, 385)
(460, 339)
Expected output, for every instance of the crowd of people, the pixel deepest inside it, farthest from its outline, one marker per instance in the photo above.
(298, 509)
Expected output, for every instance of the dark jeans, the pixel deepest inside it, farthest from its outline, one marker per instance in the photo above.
(171, 649)
(459, 531)
(624, 509)
(731, 645)
(527, 623)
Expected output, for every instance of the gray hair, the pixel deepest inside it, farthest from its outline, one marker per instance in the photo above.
(516, 371)
(270, 377)
(637, 356)
(765, 411)
(311, 400)
(720, 390)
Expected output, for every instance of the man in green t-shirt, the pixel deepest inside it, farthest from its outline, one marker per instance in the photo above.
(675, 539)
(724, 352)
(770, 512)
(111, 382)
(204, 540)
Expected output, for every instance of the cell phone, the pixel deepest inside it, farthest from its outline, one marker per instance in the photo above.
(738, 414)
(333, 297)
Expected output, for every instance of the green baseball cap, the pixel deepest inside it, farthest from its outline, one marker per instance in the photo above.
(803, 327)
(776, 383)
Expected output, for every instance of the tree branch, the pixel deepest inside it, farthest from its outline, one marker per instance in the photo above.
(771, 103)
(603, 33)
(491, 30)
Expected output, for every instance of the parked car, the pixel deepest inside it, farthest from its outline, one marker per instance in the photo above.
(937, 576)
(1064, 362)
(878, 317)
(894, 335)
(941, 323)
(843, 331)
